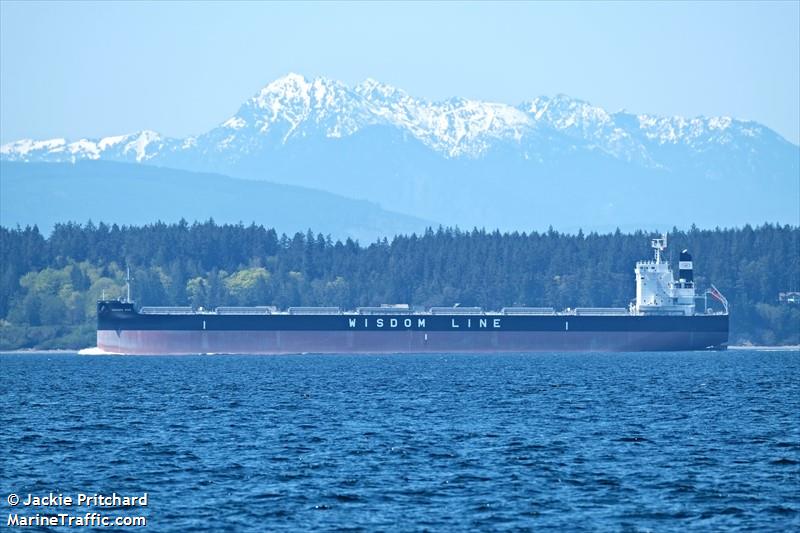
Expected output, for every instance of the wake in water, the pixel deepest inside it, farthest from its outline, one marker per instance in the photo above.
(94, 350)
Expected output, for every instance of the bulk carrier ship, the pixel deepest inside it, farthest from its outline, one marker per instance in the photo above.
(664, 316)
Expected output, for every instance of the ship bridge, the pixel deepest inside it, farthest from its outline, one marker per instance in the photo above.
(657, 290)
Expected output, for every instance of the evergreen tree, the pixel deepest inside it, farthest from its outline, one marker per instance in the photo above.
(205, 264)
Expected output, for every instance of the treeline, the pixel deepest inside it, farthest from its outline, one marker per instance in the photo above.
(49, 285)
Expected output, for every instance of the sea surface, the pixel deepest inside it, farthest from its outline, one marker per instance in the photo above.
(560, 442)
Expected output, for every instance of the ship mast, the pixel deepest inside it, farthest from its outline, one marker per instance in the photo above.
(659, 245)
(128, 280)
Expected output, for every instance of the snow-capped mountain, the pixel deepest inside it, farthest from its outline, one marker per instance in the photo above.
(292, 108)
(138, 147)
(467, 161)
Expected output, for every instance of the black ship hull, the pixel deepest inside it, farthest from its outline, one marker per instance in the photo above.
(128, 332)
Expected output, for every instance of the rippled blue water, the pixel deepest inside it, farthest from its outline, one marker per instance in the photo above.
(588, 442)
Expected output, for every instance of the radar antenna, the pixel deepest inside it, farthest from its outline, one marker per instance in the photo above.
(659, 245)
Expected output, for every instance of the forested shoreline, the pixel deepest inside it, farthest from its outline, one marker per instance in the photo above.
(49, 284)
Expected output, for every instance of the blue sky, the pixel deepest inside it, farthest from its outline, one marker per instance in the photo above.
(92, 69)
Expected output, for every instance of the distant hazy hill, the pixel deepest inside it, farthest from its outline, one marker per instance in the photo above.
(47, 193)
(558, 161)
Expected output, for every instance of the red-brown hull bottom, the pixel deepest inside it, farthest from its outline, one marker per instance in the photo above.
(288, 342)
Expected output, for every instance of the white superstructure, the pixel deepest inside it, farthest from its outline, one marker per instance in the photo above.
(657, 292)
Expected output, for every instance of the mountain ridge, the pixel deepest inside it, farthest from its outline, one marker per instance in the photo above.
(295, 100)
(124, 193)
(548, 161)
